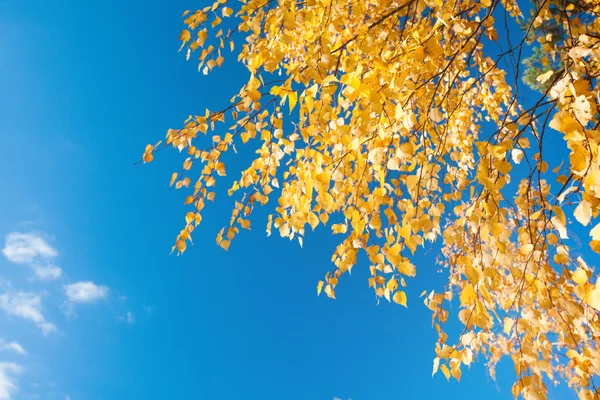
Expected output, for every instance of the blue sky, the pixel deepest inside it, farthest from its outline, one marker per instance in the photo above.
(91, 304)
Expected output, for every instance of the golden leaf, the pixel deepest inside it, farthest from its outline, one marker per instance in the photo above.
(392, 285)
(393, 164)
(445, 371)
(526, 249)
(579, 276)
(319, 287)
(545, 76)
(292, 99)
(583, 212)
(185, 36)
(595, 232)
(467, 295)
(400, 298)
(220, 169)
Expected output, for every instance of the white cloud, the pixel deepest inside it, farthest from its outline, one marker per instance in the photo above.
(85, 292)
(7, 379)
(25, 248)
(14, 346)
(32, 249)
(27, 306)
(47, 272)
(128, 317)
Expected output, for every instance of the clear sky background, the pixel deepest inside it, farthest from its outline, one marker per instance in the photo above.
(91, 304)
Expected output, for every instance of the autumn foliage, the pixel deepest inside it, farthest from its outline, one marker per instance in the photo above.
(398, 123)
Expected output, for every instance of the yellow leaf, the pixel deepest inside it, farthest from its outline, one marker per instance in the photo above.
(595, 232)
(319, 287)
(406, 268)
(579, 159)
(245, 223)
(393, 254)
(467, 295)
(583, 212)
(435, 115)
(436, 365)
(508, 324)
(496, 229)
(572, 353)
(324, 217)
(329, 292)
(185, 36)
(292, 99)
(455, 371)
(405, 232)
(254, 95)
(517, 155)
(579, 276)
(400, 298)
(325, 200)
(472, 274)
(227, 11)
(147, 156)
(445, 371)
(393, 164)
(592, 297)
(526, 249)
(275, 90)
(386, 294)
(392, 284)
(376, 155)
(562, 259)
(544, 77)
(313, 220)
(220, 169)
(533, 394)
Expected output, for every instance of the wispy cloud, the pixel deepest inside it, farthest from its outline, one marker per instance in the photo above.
(25, 248)
(85, 292)
(32, 249)
(128, 317)
(48, 272)
(12, 346)
(27, 306)
(8, 383)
